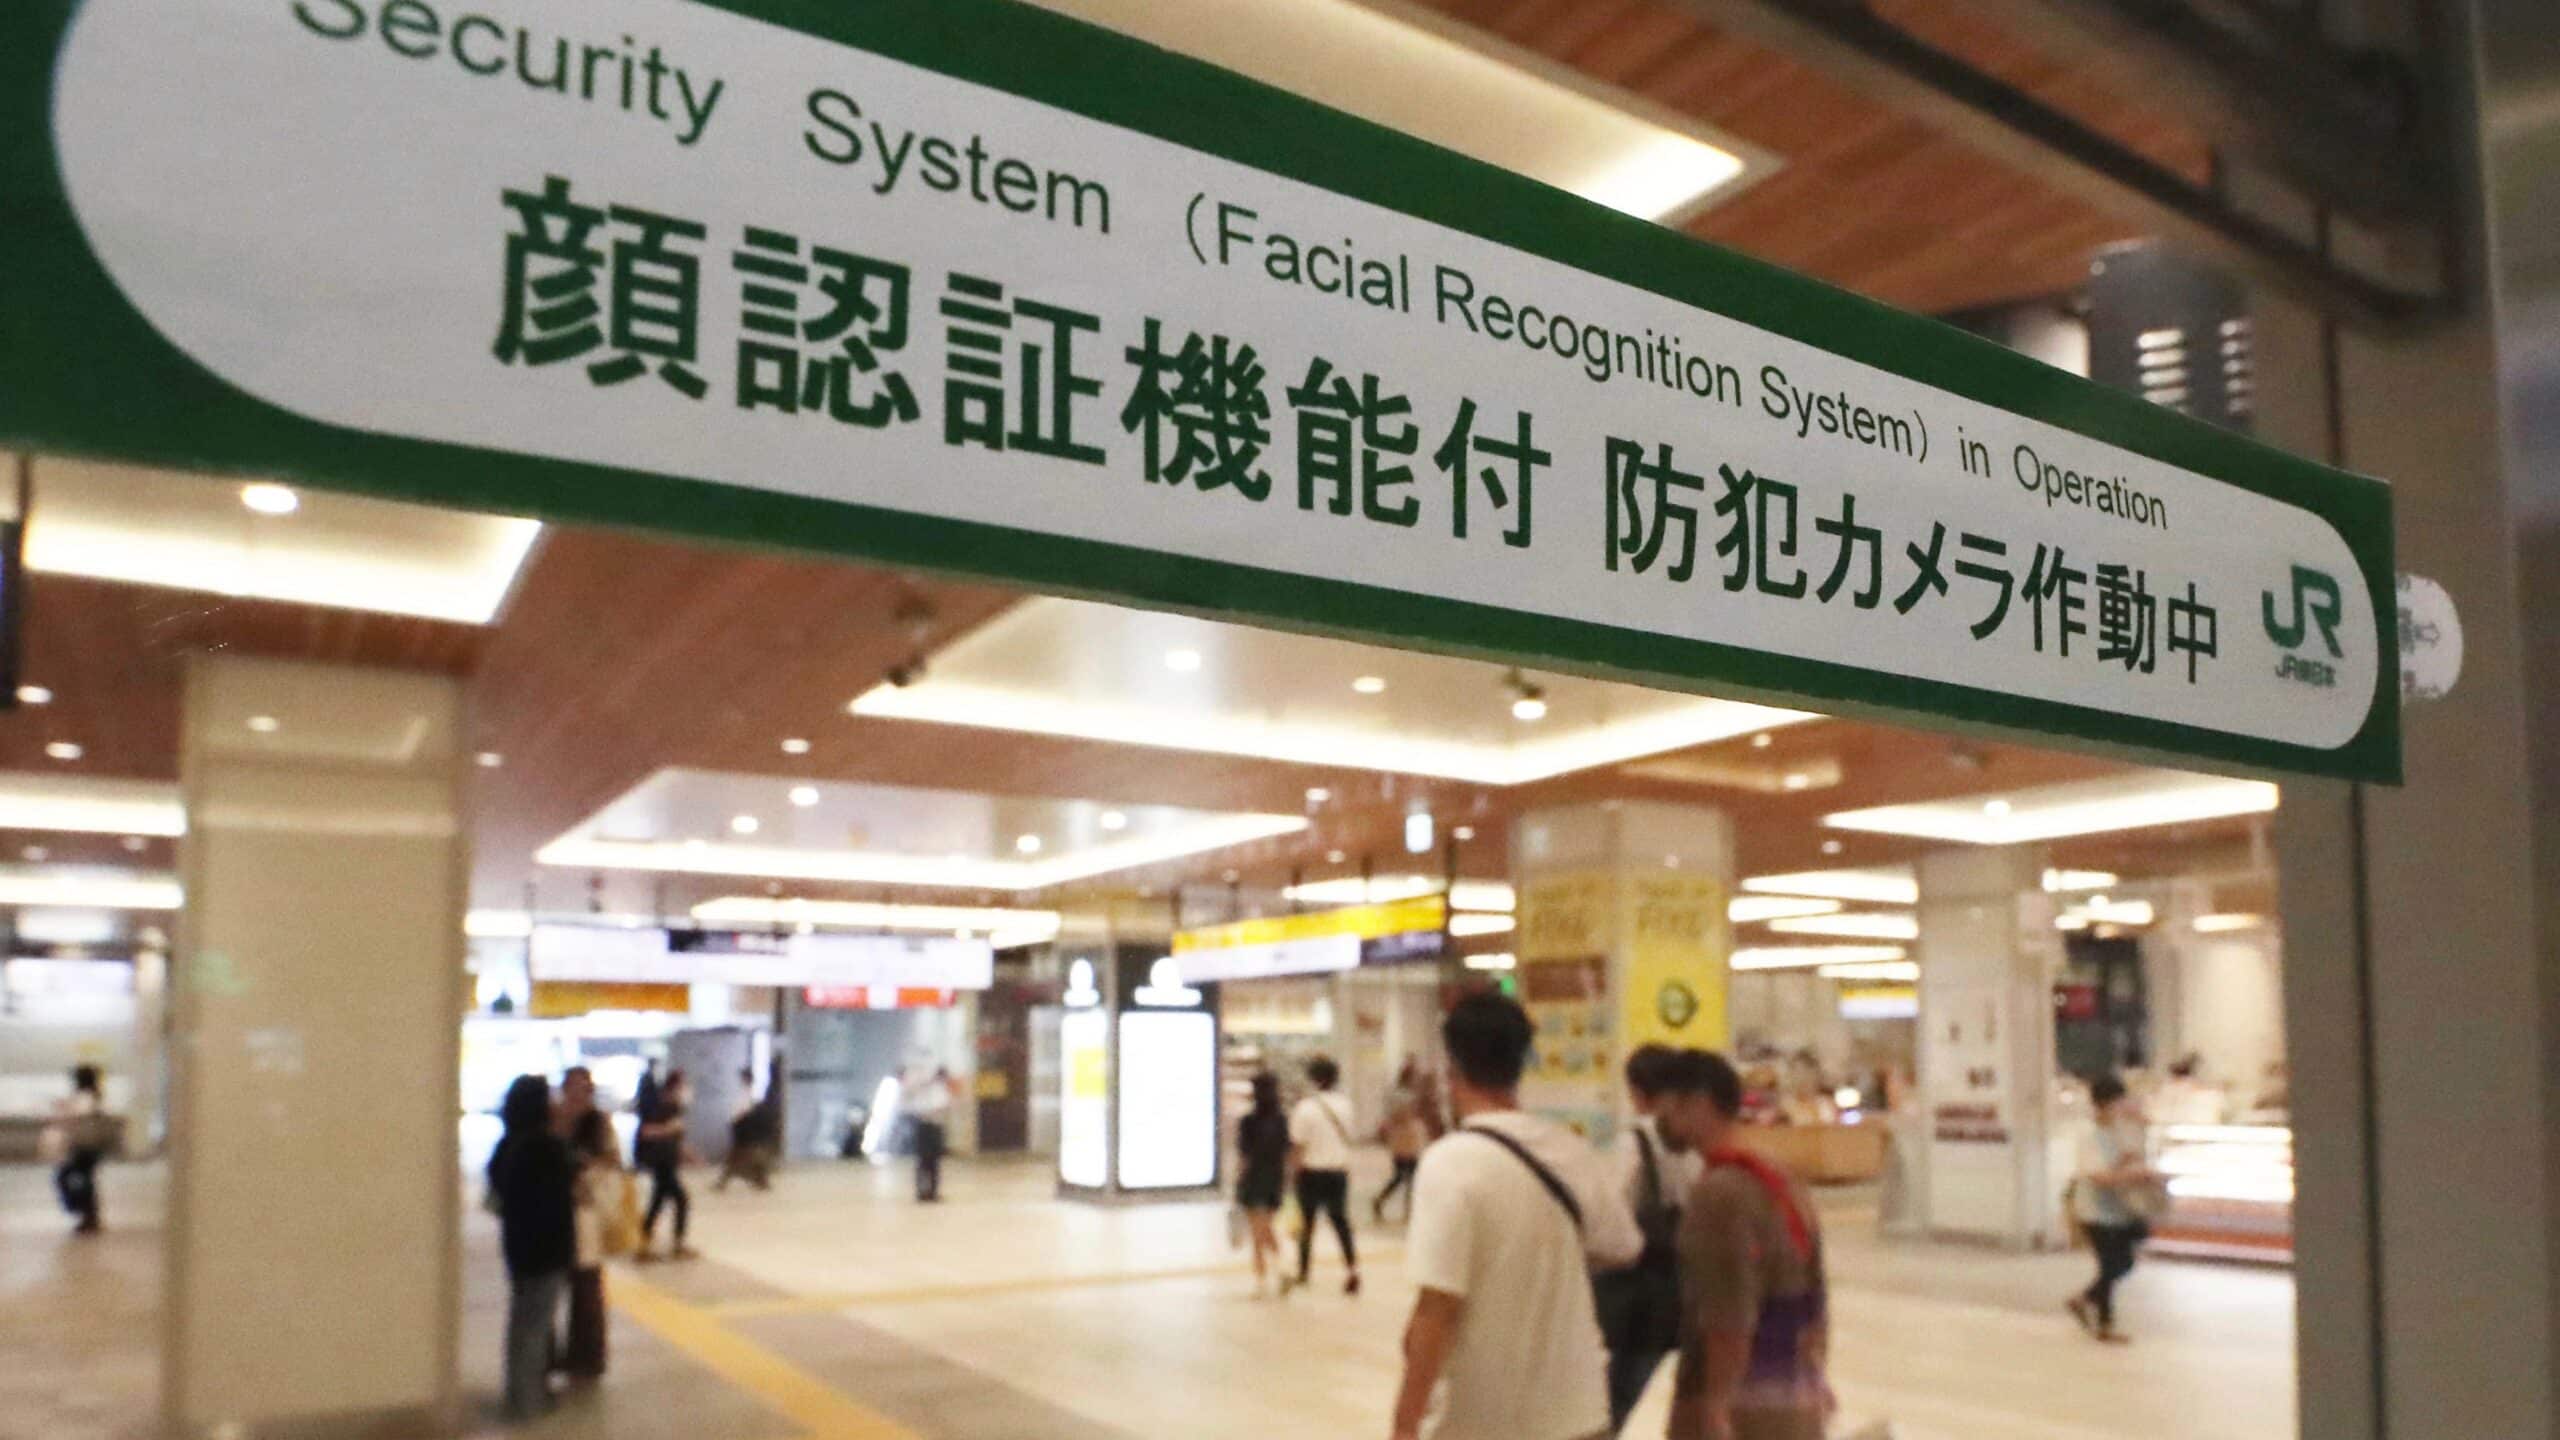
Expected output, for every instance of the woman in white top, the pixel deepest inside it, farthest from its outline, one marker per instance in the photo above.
(1320, 1147)
(2113, 1197)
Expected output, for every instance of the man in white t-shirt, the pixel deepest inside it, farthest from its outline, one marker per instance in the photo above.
(1511, 1211)
(1320, 1147)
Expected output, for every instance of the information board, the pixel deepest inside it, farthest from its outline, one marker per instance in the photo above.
(964, 284)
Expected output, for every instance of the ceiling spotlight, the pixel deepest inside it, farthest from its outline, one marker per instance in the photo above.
(1530, 700)
(64, 750)
(1831, 847)
(795, 746)
(265, 724)
(1797, 780)
(1114, 820)
(1182, 662)
(1995, 807)
(1027, 844)
(1369, 685)
(745, 825)
(489, 759)
(34, 695)
(1333, 857)
(136, 844)
(1463, 832)
(804, 796)
(268, 498)
(1763, 740)
(1317, 794)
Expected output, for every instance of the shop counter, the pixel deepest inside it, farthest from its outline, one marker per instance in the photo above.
(1822, 1154)
(2230, 1192)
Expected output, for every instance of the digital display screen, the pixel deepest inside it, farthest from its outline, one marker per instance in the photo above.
(1168, 1099)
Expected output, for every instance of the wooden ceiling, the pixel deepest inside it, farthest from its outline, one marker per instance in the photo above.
(620, 654)
(1868, 199)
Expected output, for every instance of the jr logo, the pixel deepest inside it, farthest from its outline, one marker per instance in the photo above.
(2316, 602)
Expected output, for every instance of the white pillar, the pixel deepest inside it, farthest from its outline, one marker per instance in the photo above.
(317, 996)
(1988, 952)
(1622, 940)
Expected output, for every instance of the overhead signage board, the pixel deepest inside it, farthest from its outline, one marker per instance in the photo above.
(967, 285)
(1307, 944)
(603, 953)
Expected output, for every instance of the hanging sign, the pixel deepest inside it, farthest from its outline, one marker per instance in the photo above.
(964, 284)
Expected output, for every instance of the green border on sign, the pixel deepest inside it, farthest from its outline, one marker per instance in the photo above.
(82, 372)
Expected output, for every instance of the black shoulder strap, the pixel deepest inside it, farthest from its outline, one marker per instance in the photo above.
(1652, 1168)
(1545, 1176)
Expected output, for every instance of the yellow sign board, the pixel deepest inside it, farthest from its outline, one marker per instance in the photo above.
(564, 999)
(1369, 922)
(1678, 945)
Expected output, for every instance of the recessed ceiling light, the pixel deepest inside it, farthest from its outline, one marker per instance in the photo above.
(1529, 707)
(1114, 820)
(1885, 885)
(1866, 926)
(1995, 807)
(804, 796)
(1370, 685)
(1754, 909)
(1027, 844)
(1317, 794)
(2219, 924)
(2131, 801)
(268, 498)
(1763, 740)
(64, 750)
(1798, 780)
(1182, 662)
(1333, 857)
(37, 854)
(744, 825)
(1463, 832)
(265, 724)
(795, 746)
(136, 844)
(1807, 957)
(489, 759)
(1832, 847)
(34, 695)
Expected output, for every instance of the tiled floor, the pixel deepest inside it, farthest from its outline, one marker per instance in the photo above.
(834, 1309)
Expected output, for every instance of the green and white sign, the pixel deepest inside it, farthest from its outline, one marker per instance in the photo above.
(962, 284)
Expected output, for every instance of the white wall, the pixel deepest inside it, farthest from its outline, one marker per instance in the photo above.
(2228, 1006)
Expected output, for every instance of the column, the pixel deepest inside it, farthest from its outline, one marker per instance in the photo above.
(1623, 941)
(1988, 952)
(316, 1000)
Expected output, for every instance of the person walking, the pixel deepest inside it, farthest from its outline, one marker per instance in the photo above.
(1756, 1324)
(571, 1103)
(755, 1137)
(928, 1107)
(533, 1181)
(644, 1103)
(1262, 1147)
(2114, 1196)
(1320, 1148)
(602, 1187)
(1640, 1305)
(661, 1146)
(1511, 1212)
(1406, 1132)
(85, 1133)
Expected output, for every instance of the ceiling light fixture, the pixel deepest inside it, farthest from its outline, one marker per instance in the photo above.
(34, 695)
(1369, 685)
(1317, 794)
(804, 796)
(1755, 909)
(1182, 662)
(1813, 957)
(1882, 885)
(265, 724)
(1026, 844)
(37, 854)
(1763, 740)
(2226, 922)
(1464, 832)
(1887, 971)
(64, 750)
(1798, 780)
(1380, 889)
(1114, 820)
(1866, 926)
(1333, 857)
(1004, 928)
(489, 759)
(795, 746)
(1476, 922)
(112, 890)
(1417, 832)
(268, 498)
(2133, 801)
(136, 844)
(1832, 847)
(1529, 702)
(1500, 960)
(744, 825)
(2059, 882)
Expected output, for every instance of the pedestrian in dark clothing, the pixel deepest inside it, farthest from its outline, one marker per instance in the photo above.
(533, 1180)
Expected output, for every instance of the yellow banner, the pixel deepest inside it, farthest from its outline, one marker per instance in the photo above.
(563, 999)
(1369, 922)
(1679, 944)
(1565, 936)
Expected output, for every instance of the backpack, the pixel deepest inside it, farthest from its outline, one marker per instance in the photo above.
(1640, 1304)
